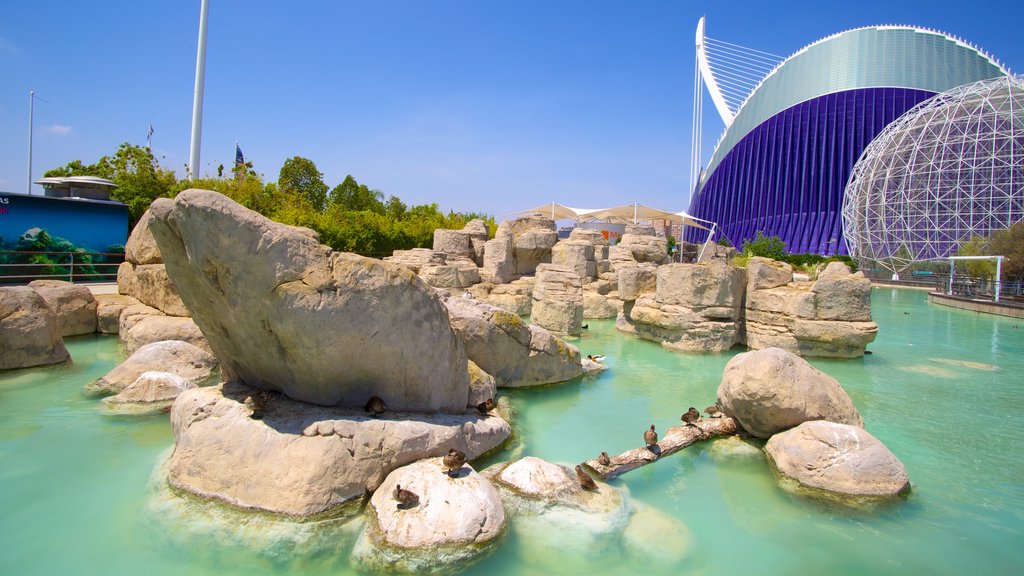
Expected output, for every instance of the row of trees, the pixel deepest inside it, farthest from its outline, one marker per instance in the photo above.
(350, 217)
(1008, 242)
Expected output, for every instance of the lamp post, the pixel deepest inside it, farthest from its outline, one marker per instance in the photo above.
(31, 106)
(197, 101)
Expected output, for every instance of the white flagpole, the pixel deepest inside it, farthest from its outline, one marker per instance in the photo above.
(31, 105)
(197, 102)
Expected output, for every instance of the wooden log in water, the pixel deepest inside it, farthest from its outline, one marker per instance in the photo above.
(674, 440)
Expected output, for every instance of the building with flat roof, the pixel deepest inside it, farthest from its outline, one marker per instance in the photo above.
(789, 146)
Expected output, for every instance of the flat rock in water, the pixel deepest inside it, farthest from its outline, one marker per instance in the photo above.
(299, 459)
(837, 458)
(454, 521)
(321, 326)
(151, 391)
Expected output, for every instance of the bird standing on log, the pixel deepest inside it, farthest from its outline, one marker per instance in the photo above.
(604, 460)
(454, 462)
(651, 437)
(586, 482)
(690, 417)
(257, 403)
(405, 498)
(713, 411)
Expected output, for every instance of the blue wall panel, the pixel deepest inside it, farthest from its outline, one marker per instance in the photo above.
(787, 176)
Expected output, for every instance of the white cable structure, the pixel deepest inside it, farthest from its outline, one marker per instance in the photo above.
(947, 170)
(730, 72)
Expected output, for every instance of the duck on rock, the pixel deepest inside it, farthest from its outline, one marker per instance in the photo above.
(454, 462)
(406, 498)
(586, 482)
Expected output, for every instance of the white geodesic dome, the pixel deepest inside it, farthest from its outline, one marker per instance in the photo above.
(948, 169)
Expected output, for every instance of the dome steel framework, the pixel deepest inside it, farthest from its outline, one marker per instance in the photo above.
(948, 169)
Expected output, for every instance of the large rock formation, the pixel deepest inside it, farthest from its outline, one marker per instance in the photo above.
(137, 330)
(182, 359)
(108, 311)
(320, 326)
(468, 242)
(639, 244)
(75, 306)
(837, 458)
(453, 523)
(694, 308)
(772, 390)
(532, 238)
(577, 256)
(29, 330)
(515, 297)
(830, 317)
(514, 352)
(298, 459)
(143, 275)
(558, 300)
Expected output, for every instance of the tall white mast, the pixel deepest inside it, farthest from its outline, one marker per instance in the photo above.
(197, 102)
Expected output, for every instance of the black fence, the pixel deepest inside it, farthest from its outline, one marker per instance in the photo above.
(22, 267)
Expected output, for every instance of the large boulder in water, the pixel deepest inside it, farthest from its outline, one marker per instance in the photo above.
(838, 459)
(771, 390)
(283, 312)
(29, 330)
(454, 522)
(298, 459)
(75, 306)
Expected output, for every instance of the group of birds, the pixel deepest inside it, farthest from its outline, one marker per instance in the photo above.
(690, 418)
(375, 406)
(452, 463)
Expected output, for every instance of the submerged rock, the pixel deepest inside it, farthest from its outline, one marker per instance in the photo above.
(150, 392)
(560, 527)
(29, 330)
(320, 326)
(652, 537)
(182, 359)
(453, 522)
(299, 459)
(771, 390)
(837, 458)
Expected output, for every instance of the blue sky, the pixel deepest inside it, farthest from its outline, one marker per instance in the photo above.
(483, 105)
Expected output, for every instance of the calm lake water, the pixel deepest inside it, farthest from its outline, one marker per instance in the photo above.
(943, 389)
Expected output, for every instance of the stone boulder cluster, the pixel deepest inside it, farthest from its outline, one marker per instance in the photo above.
(816, 443)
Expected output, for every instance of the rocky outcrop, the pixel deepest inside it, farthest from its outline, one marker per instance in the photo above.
(182, 359)
(694, 308)
(482, 386)
(29, 330)
(532, 239)
(558, 300)
(150, 392)
(75, 306)
(598, 307)
(640, 244)
(298, 459)
(376, 328)
(143, 275)
(438, 269)
(499, 260)
(515, 297)
(830, 317)
(772, 390)
(454, 522)
(514, 352)
(108, 311)
(467, 243)
(839, 459)
(577, 256)
(635, 280)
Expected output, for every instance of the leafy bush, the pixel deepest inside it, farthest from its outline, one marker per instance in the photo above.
(765, 246)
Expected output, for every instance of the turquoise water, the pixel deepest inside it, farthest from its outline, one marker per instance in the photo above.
(943, 389)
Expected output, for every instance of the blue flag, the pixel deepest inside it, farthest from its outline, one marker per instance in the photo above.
(239, 159)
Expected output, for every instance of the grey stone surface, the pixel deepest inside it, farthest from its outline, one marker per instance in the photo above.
(772, 390)
(195, 365)
(558, 300)
(837, 458)
(371, 323)
(74, 305)
(29, 330)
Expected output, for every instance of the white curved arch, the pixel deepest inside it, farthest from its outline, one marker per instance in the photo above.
(709, 78)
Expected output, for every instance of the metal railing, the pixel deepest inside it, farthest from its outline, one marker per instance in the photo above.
(22, 267)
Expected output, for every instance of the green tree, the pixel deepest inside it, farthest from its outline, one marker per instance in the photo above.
(976, 246)
(1010, 243)
(351, 195)
(300, 175)
(395, 209)
(766, 246)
